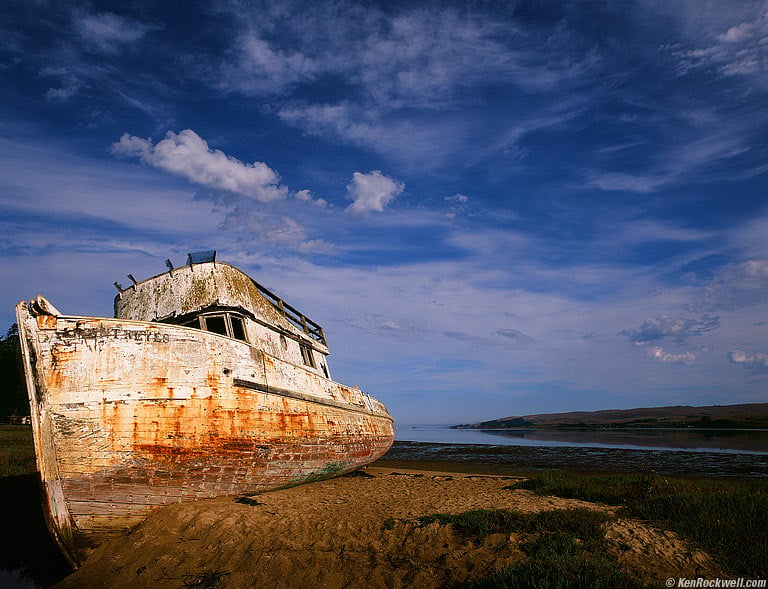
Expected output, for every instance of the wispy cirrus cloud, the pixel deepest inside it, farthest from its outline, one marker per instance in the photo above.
(106, 32)
(735, 49)
(419, 58)
(738, 285)
(394, 77)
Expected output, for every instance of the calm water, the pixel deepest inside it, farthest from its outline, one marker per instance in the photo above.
(682, 440)
(720, 453)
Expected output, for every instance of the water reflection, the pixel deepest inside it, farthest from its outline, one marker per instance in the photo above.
(691, 440)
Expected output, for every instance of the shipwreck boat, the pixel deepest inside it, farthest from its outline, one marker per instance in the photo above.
(203, 384)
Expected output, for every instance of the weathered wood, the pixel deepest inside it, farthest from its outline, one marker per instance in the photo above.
(130, 414)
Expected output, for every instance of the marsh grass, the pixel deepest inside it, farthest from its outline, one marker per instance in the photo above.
(727, 518)
(563, 548)
(17, 451)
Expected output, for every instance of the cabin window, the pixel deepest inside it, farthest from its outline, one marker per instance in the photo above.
(227, 324)
(238, 329)
(306, 355)
(216, 324)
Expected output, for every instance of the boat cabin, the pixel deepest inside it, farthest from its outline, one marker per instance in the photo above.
(216, 297)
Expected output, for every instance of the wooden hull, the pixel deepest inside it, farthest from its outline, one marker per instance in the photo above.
(130, 415)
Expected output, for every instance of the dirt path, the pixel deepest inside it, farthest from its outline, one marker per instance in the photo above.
(354, 531)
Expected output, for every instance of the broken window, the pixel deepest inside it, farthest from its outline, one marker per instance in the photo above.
(307, 356)
(238, 328)
(216, 324)
(228, 324)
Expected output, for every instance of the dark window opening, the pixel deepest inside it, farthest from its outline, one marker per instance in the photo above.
(238, 329)
(216, 324)
(194, 323)
(306, 355)
(223, 323)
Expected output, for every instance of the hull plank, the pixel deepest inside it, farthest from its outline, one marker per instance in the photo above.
(129, 416)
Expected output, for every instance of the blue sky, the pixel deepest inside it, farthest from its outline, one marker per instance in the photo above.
(492, 208)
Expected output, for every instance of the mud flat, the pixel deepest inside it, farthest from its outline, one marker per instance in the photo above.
(511, 460)
(357, 531)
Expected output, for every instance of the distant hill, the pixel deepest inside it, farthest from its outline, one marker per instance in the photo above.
(750, 415)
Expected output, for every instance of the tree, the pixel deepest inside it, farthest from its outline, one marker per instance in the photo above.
(13, 392)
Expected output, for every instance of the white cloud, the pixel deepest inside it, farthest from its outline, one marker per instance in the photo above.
(107, 32)
(372, 192)
(740, 50)
(738, 285)
(693, 157)
(400, 77)
(659, 354)
(413, 58)
(306, 196)
(630, 182)
(69, 83)
(515, 336)
(664, 327)
(758, 360)
(262, 69)
(186, 154)
(457, 204)
(254, 225)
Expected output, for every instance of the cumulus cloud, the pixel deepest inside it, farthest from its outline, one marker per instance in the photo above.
(107, 32)
(372, 192)
(306, 196)
(666, 327)
(758, 360)
(659, 354)
(186, 154)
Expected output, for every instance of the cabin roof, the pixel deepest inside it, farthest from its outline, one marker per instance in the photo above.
(195, 287)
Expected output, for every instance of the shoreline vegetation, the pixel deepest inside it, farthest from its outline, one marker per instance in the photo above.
(742, 416)
(406, 524)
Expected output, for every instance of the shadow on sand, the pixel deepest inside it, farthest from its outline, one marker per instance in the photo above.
(29, 550)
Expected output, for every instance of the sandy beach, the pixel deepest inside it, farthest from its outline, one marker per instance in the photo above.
(359, 530)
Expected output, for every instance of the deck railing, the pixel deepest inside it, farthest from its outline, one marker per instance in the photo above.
(294, 316)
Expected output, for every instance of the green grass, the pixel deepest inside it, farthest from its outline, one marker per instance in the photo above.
(727, 518)
(563, 548)
(479, 523)
(558, 560)
(17, 450)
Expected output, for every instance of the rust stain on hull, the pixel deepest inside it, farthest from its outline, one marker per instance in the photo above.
(130, 414)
